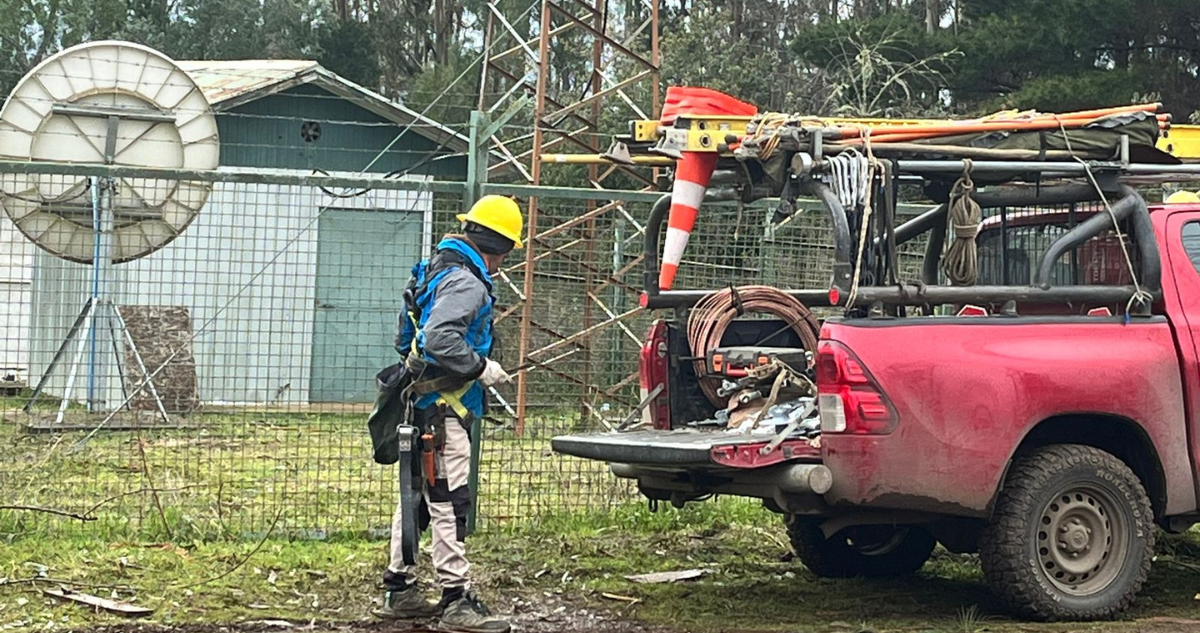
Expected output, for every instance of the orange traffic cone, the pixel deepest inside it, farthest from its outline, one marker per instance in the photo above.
(692, 173)
(693, 170)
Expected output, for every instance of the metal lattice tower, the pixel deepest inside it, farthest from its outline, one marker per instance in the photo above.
(568, 122)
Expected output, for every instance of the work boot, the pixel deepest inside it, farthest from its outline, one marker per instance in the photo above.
(468, 614)
(407, 604)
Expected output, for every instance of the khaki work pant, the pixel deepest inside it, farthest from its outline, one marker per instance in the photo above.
(448, 499)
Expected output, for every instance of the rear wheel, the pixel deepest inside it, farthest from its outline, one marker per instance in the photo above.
(1071, 537)
(863, 550)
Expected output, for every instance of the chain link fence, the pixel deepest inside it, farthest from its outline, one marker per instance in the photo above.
(264, 322)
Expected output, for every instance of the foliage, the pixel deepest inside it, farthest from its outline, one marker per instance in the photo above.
(348, 49)
(879, 75)
(1085, 53)
(850, 57)
(540, 572)
(460, 97)
(757, 67)
(868, 57)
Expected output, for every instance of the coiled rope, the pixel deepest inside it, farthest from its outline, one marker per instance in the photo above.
(961, 262)
(766, 133)
(712, 315)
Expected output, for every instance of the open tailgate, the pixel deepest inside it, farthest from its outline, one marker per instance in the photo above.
(687, 449)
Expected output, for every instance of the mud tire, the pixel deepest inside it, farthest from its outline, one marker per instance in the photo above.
(1033, 527)
(860, 551)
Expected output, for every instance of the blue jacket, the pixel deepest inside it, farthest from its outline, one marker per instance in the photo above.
(454, 332)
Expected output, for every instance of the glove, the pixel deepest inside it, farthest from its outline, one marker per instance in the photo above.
(493, 373)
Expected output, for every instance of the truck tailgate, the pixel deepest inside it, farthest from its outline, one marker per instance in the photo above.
(686, 448)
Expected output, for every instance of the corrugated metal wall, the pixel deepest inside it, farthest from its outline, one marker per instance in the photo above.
(246, 269)
(267, 133)
(16, 256)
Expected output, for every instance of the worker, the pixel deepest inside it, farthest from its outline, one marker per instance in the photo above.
(1180, 197)
(448, 346)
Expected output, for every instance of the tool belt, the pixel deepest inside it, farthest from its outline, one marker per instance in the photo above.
(449, 388)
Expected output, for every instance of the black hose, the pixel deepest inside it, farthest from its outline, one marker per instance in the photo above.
(1143, 233)
(843, 244)
(1085, 231)
(933, 249)
(658, 213)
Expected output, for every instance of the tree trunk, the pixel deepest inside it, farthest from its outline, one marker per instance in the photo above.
(932, 15)
(443, 21)
(736, 10)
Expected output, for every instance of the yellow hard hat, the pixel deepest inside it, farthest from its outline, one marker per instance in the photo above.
(499, 214)
(1183, 197)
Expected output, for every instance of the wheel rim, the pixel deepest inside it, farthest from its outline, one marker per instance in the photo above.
(1081, 540)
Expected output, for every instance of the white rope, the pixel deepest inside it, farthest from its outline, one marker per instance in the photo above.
(1139, 295)
(864, 228)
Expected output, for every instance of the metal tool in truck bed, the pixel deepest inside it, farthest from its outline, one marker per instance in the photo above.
(1046, 415)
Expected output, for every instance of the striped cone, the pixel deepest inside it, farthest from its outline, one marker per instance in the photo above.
(692, 174)
(693, 170)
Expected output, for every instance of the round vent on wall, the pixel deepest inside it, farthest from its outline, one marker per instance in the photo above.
(310, 131)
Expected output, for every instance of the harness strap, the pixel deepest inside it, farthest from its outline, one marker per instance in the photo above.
(454, 400)
(444, 385)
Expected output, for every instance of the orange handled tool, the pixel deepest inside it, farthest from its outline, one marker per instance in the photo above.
(427, 458)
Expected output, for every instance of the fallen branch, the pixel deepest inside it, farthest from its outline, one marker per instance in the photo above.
(618, 598)
(139, 491)
(1179, 563)
(96, 602)
(89, 514)
(59, 581)
(245, 560)
(61, 513)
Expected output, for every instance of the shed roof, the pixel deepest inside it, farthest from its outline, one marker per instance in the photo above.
(229, 84)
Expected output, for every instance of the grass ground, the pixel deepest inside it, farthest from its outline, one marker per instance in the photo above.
(236, 474)
(550, 576)
(278, 515)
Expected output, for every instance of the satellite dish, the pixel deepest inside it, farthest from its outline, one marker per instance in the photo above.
(105, 103)
(112, 103)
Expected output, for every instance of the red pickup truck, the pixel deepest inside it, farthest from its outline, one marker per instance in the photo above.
(1050, 421)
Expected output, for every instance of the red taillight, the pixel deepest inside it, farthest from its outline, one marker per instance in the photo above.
(849, 398)
(652, 374)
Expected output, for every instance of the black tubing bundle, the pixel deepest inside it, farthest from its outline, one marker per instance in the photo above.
(712, 315)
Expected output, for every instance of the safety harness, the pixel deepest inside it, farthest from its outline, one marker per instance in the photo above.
(450, 388)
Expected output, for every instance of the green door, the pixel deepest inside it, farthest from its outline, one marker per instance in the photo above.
(363, 264)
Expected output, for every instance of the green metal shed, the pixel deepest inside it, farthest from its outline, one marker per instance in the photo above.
(288, 114)
(295, 116)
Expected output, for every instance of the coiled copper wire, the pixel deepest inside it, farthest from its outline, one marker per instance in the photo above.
(712, 315)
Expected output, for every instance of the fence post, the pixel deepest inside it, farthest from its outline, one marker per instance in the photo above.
(477, 172)
(477, 158)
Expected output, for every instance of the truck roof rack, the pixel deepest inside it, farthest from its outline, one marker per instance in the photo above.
(854, 166)
(1127, 206)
